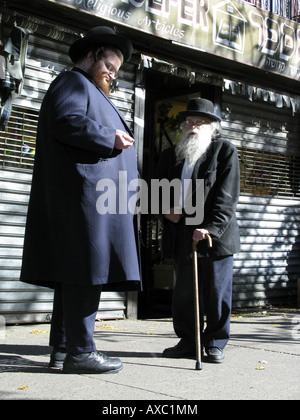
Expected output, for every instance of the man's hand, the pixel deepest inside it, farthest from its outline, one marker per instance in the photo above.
(175, 215)
(123, 140)
(200, 234)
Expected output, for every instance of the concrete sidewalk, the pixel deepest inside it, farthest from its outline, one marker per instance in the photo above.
(262, 363)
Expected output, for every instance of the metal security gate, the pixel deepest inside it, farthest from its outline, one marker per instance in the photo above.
(46, 58)
(267, 138)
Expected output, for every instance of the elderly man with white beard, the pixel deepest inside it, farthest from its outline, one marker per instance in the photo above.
(201, 155)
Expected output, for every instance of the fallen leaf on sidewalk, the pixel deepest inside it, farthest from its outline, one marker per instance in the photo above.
(260, 368)
(109, 327)
(39, 332)
(21, 388)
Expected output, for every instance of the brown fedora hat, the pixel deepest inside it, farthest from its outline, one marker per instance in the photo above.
(101, 35)
(202, 107)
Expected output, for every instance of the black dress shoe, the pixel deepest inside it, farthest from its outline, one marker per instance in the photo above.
(57, 358)
(182, 350)
(214, 355)
(94, 362)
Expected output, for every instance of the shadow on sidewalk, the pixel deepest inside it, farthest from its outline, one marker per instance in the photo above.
(265, 331)
(11, 359)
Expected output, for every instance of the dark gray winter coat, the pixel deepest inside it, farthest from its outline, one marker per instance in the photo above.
(219, 169)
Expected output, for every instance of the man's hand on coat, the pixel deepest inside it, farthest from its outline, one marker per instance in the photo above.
(123, 140)
(200, 234)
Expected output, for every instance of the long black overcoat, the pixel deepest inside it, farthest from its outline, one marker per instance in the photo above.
(219, 169)
(67, 240)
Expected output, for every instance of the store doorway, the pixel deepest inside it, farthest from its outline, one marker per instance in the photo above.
(166, 95)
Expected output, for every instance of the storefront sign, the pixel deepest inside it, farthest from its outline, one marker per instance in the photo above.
(231, 29)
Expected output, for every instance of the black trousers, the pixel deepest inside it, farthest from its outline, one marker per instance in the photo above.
(215, 289)
(73, 319)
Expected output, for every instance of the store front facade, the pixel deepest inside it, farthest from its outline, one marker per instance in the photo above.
(239, 56)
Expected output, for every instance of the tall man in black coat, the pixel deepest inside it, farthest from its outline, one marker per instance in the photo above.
(72, 242)
(200, 155)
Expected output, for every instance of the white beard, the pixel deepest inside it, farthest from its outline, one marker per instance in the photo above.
(194, 144)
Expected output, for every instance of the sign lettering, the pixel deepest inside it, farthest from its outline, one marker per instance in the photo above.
(228, 28)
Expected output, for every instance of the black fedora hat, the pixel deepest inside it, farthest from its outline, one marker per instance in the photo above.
(202, 107)
(101, 35)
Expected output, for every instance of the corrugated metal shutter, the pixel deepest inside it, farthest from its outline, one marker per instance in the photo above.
(20, 302)
(268, 266)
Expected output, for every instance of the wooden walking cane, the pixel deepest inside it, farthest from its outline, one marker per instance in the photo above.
(197, 303)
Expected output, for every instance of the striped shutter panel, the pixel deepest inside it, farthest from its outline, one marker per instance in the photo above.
(20, 302)
(267, 138)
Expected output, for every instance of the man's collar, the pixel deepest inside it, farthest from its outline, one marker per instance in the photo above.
(80, 70)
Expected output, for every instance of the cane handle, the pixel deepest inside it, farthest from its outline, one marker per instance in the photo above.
(209, 242)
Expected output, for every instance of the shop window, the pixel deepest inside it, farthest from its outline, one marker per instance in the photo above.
(167, 125)
(17, 142)
(269, 174)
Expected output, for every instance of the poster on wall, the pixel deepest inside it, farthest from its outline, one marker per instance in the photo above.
(231, 29)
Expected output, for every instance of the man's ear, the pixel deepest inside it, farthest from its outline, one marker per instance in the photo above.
(91, 57)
